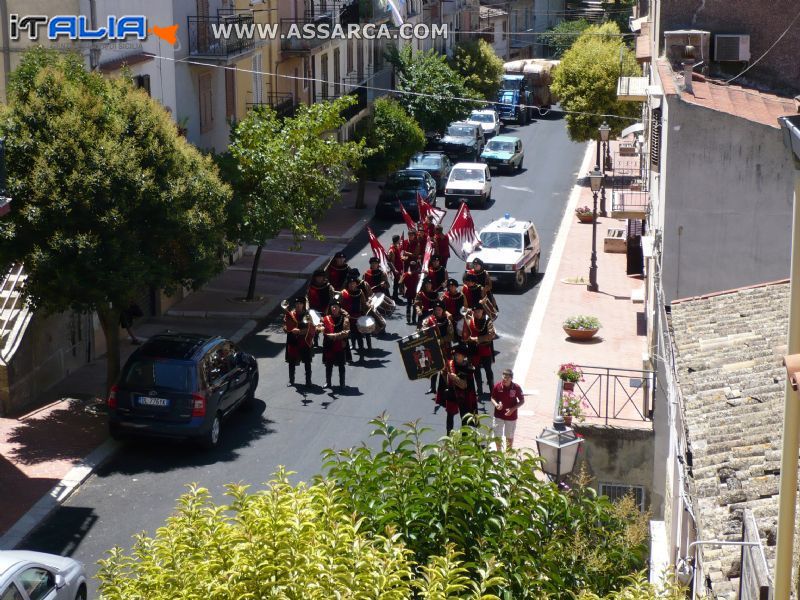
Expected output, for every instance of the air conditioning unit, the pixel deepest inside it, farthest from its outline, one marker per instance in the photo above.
(731, 48)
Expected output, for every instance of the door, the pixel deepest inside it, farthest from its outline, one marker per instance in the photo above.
(38, 583)
(11, 592)
(218, 367)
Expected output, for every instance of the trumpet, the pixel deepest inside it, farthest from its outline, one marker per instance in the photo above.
(285, 306)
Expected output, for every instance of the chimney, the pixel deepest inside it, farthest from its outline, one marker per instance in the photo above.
(688, 65)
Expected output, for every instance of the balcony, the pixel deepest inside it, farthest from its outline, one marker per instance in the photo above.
(221, 38)
(303, 44)
(630, 198)
(351, 111)
(283, 104)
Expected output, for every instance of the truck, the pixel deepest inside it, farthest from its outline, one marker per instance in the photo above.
(512, 100)
(531, 79)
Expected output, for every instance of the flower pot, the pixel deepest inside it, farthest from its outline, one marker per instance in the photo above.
(567, 420)
(586, 217)
(580, 334)
(568, 386)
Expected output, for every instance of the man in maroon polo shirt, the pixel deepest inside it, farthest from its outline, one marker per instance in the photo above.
(507, 398)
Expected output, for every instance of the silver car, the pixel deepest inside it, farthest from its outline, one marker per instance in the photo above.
(28, 575)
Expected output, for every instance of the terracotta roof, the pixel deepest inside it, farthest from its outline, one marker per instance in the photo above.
(728, 353)
(747, 103)
(643, 46)
(132, 59)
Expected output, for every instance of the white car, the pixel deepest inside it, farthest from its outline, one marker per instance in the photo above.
(488, 120)
(509, 249)
(28, 575)
(470, 183)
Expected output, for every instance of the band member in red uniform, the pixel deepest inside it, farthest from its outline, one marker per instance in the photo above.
(336, 328)
(362, 284)
(299, 338)
(429, 227)
(453, 300)
(478, 333)
(423, 302)
(395, 255)
(355, 304)
(441, 245)
(442, 322)
(484, 280)
(473, 293)
(319, 295)
(376, 279)
(456, 390)
(337, 271)
(410, 281)
(437, 274)
(412, 249)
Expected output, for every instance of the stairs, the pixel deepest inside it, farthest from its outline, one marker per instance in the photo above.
(591, 10)
(14, 313)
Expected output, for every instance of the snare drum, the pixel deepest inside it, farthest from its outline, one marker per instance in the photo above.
(366, 324)
(383, 304)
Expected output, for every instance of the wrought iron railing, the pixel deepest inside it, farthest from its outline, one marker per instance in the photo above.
(222, 36)
(283, 104)
(11, 309)
(292, 43)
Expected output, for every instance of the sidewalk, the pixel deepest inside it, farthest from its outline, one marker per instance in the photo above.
(47, 453)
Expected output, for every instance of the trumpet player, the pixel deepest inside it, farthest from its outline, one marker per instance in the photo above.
(300, 333)
(478, 333)
(319, 295)
(473, 293)
(484, 280)
(336, 328)
(441, 322)
(456, 392)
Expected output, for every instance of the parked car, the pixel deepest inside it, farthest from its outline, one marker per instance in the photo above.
(509, 249)
(436, 164)
(487, 120)
(462, 141)
(26, 575)
(402, 187)
(470, 183)
(181, 385)
(504, 152)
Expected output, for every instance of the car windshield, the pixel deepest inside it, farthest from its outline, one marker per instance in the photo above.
(159, 374)
(500, 146)
(467, 175)
(426, 162)
(460, 131)
(506, 96)
(482, 118)
(497, 239)
(404, 182)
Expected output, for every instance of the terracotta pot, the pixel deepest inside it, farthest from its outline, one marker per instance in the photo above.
(567, 420)
(586, 218)
(580, 334)
(568, 386)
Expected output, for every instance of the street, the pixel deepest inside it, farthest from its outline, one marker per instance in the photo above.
(136, 491)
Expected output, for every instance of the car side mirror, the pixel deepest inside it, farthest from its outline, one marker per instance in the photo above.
(60, 581)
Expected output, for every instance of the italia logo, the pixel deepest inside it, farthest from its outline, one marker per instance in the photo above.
(78, 27)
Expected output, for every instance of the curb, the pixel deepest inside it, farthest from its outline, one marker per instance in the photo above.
(62, 490)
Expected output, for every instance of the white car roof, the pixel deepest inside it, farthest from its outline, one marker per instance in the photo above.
(483, 111)
(466, 165)
(511, 225)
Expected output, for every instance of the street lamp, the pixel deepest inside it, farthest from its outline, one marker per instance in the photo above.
(605, 131)
(596, 183)
(603, 160)
(558, 446)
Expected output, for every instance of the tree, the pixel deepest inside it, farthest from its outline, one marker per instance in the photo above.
(288, 172)
(437, 92)
(480, 67)
(561, 37)
(586, 82)
(393, 136)
(108, 199)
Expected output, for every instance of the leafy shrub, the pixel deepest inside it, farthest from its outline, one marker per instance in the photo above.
(491, 506)
(570, 372)
(582, 322)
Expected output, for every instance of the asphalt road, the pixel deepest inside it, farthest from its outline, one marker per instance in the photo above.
(137, 490)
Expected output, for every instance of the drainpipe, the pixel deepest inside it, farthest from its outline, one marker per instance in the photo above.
(791, 409)
(94, 51)
(7, 45)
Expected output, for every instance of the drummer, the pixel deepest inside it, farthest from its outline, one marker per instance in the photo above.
(441, 322)
(376, 278)
(355, 305)
(337, 271)
(424, 300)
(363, 285)
(437, 274)
(473, 293)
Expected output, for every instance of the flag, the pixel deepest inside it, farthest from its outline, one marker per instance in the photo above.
(425, 208)
(462, 233)
(398, 8)
(378, 250)
(425, 260)
(407, 217)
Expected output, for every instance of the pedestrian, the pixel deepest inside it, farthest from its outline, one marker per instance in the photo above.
(478, 333)
(441, 245)
(300, 333)
(456, 391)
(410, 281)
(337, 271)
(336, 328)
(441, 322)
(507, 398)
(355, 304)
(395, 255)
(126, 318)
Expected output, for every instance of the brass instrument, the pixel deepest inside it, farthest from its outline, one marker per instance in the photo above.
(285, 306)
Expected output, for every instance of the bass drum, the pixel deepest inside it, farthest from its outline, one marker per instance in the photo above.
(366, 324)
(383, 304)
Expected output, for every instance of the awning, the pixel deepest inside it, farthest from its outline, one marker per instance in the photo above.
(632, 89)
(635, 128)
(636, 24)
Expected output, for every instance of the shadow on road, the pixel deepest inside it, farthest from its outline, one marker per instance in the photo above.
(74, 524)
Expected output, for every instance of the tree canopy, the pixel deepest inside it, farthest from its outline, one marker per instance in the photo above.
(108, 199)
(586, 82)
(480, 67)
(561, 37)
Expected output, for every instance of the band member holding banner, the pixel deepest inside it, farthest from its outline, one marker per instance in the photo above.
(437, 273)
(473, 293)
(453, 301)
(441, 246)
(410, 282)
(412, 249)
(478, 333)
(337, 271)
(430, 226)
(376, 279)
(355, 304)
(441, 322)
(484, 280)
(424, 300)
(396, 265)
(457, 389)
(336, 327)
(300, 333)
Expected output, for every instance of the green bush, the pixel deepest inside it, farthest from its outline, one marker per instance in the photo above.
(582, 322)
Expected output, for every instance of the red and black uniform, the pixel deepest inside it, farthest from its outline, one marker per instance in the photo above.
(337, 276)
(377, 281)
(453, 303)
(334, 345)
(481, 352)
(438, 276)
(319, 296)
(444, 331)
(355, 304)
(429, 229)
(299, 339)
(395, 255)
(410, 281)
(484, 280)
(412, 249)
(472, 295)
(441, 245)
(457, 393)
(424, 303)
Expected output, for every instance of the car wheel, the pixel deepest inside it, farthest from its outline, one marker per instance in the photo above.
(115, 431)
(81, 595)
(212, 436)
(484, 201)
(519, 166)
(535, 267)
(520, 279)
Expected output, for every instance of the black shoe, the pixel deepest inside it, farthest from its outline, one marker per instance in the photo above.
(308, 382)
(328, 385)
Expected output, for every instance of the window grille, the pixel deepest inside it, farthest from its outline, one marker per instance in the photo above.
(617, 491)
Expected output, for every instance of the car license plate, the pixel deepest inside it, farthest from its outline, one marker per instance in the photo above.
(154, 402)
(464, 200)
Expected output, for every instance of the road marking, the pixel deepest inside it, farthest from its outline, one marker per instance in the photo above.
(517, 189)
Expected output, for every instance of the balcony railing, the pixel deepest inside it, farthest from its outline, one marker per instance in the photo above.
(614, 394)
(351, 111)
(203, 42)
(283, 104)
(630, 198)
(293, 44)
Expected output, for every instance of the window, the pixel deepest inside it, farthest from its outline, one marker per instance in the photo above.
(206, 102)
(258, 79)
(221, 361)
(324, 76)
(150, 373)
(37, 582)
(142, 82)
(350, 46)
(337, 72)
(496, 239)
(617, 491)
(527, 240)
(230, 94)
(11, 593)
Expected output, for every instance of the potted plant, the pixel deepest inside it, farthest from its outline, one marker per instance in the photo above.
(570, 374)
(572, 407)
(581, 327)
(585, 214)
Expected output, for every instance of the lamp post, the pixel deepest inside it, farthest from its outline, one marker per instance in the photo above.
(595, 182)
(558, 446)
(604, 131)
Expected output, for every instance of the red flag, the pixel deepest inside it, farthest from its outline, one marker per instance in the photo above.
(425, 208)
(425, 260)
(462, 237)
(407, 218)
(378, 250)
